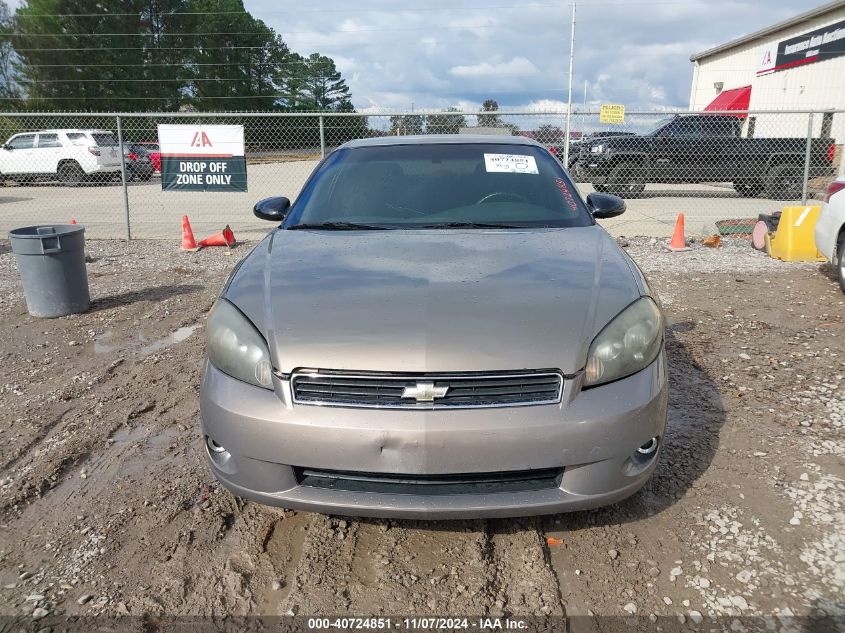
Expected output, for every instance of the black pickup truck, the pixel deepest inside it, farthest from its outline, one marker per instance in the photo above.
(703, 148)
(575, 147)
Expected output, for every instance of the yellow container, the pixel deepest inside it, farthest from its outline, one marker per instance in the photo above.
(794, 240)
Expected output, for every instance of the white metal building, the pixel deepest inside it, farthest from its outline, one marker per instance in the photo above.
(797, 64)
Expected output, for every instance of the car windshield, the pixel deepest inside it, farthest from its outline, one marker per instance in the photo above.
(460, 185)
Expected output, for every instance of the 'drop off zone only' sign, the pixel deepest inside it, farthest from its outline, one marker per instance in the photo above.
(202, 157)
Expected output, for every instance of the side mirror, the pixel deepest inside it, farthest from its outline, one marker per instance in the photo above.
(604, 205)
(8, 147)
(274, 209)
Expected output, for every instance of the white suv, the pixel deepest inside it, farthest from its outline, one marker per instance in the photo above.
(71, 156)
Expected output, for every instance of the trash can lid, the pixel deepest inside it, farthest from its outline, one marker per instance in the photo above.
(47, 239)
(40, 230)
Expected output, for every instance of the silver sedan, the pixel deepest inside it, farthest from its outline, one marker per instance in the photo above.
(437, 328)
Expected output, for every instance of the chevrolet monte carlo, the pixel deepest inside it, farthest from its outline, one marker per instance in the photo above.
(437, 328)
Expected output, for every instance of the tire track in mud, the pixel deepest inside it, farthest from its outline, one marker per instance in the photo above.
(526, 583)
(437, 568)
(11, 459)
(323, 571)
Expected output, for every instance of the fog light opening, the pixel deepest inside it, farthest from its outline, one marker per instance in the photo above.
(213, 446)
(649, 447)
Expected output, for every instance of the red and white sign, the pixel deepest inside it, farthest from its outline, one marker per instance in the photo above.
(213, 141)
(768, 59)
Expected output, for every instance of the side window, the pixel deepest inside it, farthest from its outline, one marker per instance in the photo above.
(719, 126)
(686, 128)
(49, 140)
(23, 141)
(104, 139)
(77, 138)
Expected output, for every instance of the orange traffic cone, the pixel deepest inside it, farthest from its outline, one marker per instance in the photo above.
(72, 221)
(678, 243)
(188, 241)
(224, 238)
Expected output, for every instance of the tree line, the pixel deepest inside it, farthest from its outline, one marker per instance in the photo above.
(157, 55)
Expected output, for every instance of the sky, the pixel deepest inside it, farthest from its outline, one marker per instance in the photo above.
(434, 54)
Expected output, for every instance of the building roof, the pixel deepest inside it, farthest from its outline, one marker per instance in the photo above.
(769, 30)
(428, 139)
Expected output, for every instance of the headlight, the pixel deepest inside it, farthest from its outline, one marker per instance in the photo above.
(629, 343)
(597, 149)
(236, 348)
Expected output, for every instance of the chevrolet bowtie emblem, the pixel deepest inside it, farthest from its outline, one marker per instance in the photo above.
(424, 392)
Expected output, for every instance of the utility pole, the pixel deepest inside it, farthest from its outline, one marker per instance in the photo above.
(569, 99)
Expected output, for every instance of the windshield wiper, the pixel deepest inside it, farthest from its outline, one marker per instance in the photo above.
(463, 225)
(339, 226)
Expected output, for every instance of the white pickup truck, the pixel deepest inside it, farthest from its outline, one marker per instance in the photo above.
(70, 156)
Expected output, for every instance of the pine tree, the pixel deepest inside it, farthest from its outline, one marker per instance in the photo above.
(489, 120)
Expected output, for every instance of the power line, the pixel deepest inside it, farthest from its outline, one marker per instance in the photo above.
(256, 33)
(283, 12)
(176, 79)
(265, 96)
(459, 27)
(157, 80)
(357, 10)
(148, 48)
(187, 64)
(309, 65)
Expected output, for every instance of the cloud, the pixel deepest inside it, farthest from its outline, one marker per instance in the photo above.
(516, 66)
(436, 54)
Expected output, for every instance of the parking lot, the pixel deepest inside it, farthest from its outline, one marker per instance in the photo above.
(107, 506)
(156, 214)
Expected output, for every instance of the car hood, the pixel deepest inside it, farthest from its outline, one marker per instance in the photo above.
(433, 300)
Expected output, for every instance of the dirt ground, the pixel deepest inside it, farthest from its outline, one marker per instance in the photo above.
(107, 506)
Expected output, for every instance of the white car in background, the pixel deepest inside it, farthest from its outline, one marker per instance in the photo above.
(70, 156)
(830, 228)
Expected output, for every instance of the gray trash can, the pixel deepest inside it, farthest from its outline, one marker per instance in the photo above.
(51, 261)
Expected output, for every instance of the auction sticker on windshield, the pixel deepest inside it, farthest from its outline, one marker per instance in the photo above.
(510, 164)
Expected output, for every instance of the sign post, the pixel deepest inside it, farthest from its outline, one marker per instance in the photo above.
(202, 157)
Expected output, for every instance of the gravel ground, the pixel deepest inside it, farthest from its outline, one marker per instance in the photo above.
(107, 508)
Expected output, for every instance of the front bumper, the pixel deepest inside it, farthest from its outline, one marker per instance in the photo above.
(592, 435)
(594, 168)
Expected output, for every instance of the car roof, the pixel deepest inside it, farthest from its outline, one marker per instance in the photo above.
(66, 130)
(441, 139)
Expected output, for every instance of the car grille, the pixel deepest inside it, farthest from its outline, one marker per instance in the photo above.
(424, 391)
(584, 152)
(472, 483)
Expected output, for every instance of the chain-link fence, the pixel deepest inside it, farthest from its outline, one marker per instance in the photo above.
(103, 169)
